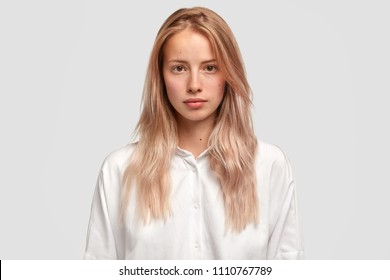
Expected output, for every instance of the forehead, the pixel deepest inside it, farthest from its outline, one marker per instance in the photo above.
(188, 44)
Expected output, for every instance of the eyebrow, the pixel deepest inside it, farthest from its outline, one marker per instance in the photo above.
(185, 62)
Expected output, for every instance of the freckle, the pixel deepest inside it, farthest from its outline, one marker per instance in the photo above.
(200, 139)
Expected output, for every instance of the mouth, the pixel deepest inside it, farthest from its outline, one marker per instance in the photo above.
(195, 103)
(194, 100)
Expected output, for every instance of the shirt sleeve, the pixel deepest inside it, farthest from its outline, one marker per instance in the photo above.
(285, 240)
(104, 237)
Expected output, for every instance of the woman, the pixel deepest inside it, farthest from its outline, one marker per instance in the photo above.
(197, 184)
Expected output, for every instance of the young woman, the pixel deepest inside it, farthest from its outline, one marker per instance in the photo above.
(197, 184)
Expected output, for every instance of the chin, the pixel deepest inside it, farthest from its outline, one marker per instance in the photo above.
(196, 118)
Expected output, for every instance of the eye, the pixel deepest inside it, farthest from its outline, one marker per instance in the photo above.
(211, 68)
(178, 68)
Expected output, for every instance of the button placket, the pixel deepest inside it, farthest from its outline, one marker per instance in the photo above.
(196, 210)
(192, 167)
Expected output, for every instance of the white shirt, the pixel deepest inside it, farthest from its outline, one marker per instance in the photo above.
(196, 228)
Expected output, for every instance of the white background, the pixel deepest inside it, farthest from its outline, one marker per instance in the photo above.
(71, 77)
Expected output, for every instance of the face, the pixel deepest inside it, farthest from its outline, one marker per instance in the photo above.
(194, 83)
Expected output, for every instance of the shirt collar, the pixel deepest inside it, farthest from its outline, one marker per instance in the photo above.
(184, 153)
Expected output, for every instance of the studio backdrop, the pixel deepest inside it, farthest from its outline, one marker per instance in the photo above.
(71, 79)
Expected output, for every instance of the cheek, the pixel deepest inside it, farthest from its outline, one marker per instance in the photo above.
(169, 86)
(172, 85)
(221, 88)
(220, 81)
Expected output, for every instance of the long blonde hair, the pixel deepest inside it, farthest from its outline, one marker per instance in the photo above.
(232, 144)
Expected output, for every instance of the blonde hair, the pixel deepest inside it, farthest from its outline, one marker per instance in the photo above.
(232, 143)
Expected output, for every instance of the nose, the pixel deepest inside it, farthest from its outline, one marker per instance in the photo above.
(194, 84)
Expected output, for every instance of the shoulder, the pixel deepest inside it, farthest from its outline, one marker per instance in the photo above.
(272, 160)
(268, 153)
(117, 159)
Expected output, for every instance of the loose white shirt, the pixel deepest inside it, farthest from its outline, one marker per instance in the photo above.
(196, 228)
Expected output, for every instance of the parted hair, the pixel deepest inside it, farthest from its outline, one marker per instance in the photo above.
(232, 144)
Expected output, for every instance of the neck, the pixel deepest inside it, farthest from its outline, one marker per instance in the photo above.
(194, 136)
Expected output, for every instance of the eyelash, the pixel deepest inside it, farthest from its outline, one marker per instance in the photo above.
(214, 68)
(183, 68)
(175, 68)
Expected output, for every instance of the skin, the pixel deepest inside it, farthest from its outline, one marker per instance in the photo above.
(191, 72)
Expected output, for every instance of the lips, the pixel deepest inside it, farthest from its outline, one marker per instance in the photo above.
(195, 103)
(194, 100)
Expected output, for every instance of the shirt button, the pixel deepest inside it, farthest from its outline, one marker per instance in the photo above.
(196, 206)
(196, 245)
(193, 170)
